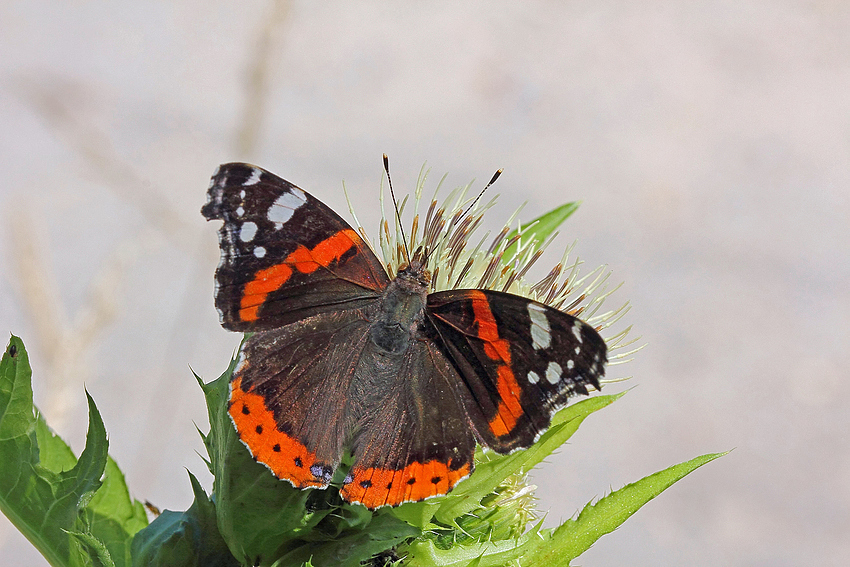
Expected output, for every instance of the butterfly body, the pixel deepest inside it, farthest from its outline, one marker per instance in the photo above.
(346, 360)
(402, 313)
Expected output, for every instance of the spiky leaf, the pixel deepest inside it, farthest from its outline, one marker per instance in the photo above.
(574, 537)
(41, 491)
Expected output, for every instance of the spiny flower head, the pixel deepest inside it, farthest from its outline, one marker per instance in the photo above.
(458, 258)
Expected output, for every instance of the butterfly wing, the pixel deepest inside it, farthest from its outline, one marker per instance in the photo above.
(417, 442)
(298, 276)
(284, 254)
(520, 361)
(289, 393)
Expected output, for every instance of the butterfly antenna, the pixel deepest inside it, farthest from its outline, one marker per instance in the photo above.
(395, 204)
(492, 180)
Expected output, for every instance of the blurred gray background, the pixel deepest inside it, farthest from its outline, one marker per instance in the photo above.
(709, 141)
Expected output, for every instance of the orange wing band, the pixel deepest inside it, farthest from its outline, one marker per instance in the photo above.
(499, 351)
(375, 487)
(302, 259)
(287, 458)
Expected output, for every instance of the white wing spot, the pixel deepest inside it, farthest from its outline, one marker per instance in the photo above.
(553, 372)
(570, 364)
(255, 177)
(286, 205)
(240, 211)
(578, 350)
(259, 251)
(242, 194)
(541, 335)
(577, 331)
(247, 232)
(533, 377)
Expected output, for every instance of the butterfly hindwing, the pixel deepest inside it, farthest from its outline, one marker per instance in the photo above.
(284, 254)
(520, 360)
(417, 442)
(304, 394)
(290, 391)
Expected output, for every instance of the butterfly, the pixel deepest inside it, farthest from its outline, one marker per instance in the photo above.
(346, 360)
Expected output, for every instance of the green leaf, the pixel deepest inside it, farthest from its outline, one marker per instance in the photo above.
(491, 472)
(54, 454)
(543, 226)
(561, 545)
(483, 554)
(574, 537)
(16, 412)
(39, 493)
(183, 539)
(113, 517)
(79, 484)
(351, 547)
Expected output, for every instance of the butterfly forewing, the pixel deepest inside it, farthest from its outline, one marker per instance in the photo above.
(284, 254)
(520, 360)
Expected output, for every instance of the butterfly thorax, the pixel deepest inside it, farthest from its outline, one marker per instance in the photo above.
(402, 310)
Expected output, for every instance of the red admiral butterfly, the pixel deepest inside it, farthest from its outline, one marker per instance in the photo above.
(344, 358)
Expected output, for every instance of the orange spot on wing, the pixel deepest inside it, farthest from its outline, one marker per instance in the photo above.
(268, 280)
(287, 457)
(256, 290)
(375, 487)
(498, 425)
(302, 259)
(249, 313)
(495, 347)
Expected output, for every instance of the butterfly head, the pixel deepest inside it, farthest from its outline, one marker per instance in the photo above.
(416, 270)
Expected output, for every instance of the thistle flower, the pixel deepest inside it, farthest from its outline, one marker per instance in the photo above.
(459, 259)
